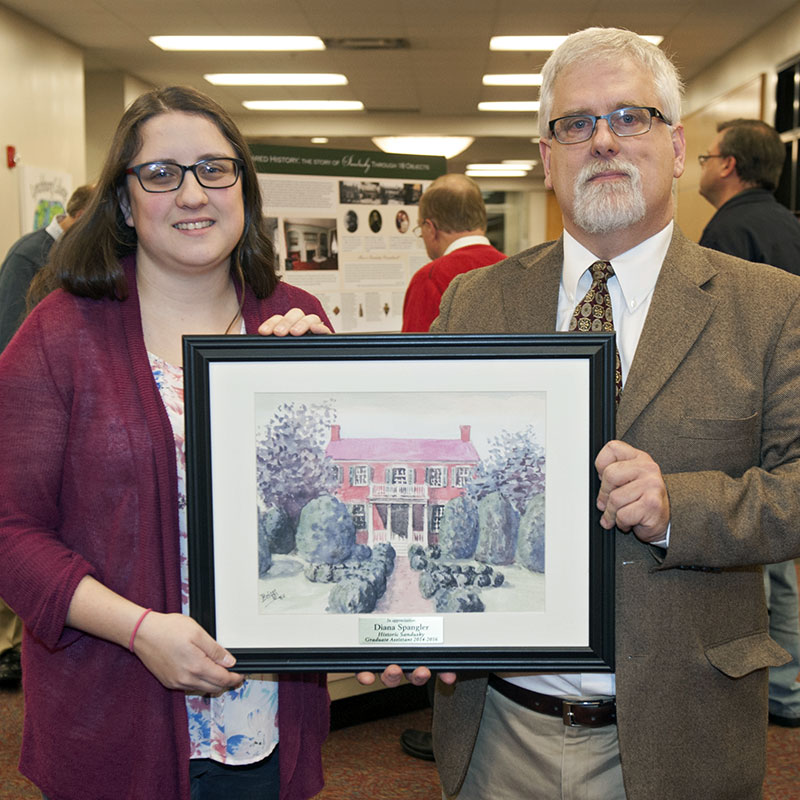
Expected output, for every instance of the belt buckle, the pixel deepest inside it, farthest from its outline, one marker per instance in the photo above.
(568, 713)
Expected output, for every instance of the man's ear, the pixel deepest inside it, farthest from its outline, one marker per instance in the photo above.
(544, 151)
(728, 166)
(125, 206)
(678, 151)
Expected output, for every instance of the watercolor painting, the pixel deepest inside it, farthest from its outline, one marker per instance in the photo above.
(408, 503)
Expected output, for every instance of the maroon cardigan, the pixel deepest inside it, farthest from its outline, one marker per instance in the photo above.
(88, 486)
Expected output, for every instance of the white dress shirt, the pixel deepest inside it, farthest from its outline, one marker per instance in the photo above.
(631, 289)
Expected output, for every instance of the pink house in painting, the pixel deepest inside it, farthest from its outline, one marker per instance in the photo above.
(396, 489)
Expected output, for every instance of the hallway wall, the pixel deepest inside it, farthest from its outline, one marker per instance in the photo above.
(41, 96)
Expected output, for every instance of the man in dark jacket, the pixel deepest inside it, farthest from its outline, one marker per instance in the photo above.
(26, 257)
(740, 173)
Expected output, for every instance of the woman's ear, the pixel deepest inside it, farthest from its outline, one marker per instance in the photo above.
(125, 206)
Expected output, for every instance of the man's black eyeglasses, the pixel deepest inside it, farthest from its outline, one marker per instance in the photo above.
(164, 176)
(701, 159)
(628, 121)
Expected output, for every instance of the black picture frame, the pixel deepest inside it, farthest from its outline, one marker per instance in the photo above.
(234, 384)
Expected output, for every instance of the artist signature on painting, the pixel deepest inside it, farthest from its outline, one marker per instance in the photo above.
(270, 597)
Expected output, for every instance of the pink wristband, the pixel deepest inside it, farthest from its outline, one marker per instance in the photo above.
(136, 628)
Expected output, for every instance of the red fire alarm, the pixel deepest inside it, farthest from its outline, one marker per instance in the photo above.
(11, 156)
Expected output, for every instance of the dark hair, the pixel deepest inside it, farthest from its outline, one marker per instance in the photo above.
(87, 262)
(757, 148)
(455, 203)
(79, 199)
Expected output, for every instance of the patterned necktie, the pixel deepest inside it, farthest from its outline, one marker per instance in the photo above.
(593, 313)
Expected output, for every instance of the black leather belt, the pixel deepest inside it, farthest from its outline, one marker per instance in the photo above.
(586, 713)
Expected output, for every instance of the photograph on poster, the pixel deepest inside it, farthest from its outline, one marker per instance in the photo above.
(351, 221)
(375, 193)
(310, 243)
(381, 503)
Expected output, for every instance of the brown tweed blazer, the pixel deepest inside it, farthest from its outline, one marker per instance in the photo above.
(713, 395)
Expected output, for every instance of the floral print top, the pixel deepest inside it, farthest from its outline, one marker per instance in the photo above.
(239, 726)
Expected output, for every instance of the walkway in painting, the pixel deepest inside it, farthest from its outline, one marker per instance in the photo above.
(402, 592)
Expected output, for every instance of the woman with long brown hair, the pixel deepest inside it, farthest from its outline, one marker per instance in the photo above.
(126, 696)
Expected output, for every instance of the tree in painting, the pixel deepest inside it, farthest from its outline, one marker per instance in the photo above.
(291, 465)
(458, 531)
(275, 530)
(530, 545)
(275, 535)
(325, 533)
(515, 467)
(498, 529)
(509, 481)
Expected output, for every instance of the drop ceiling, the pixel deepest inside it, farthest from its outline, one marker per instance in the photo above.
(430, 84)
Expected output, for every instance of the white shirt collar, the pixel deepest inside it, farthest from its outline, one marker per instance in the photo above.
(54, 227)
(637, 269)
(466, 241)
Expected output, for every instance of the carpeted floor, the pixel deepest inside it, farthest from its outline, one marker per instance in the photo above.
(392, 775)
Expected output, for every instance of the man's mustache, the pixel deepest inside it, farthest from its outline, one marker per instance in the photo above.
(601, 167)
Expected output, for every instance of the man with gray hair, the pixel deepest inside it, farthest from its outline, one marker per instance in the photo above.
(701, 486)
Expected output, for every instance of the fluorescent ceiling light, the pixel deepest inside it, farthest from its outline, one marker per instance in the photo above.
(541, 43)
(509, 105)
(528, 163)
(447, 146)
(501, 167)
(276, 79)
(319, 140)
(303, 105)
(238, 42)
(500, 173)
(523, 79)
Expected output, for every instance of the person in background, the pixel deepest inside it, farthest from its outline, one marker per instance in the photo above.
(701, 487)
(126, 696)
(739, 176)
(25, 258)
(452, 225)
(740, 173)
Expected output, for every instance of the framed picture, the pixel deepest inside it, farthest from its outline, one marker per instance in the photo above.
(361, 500)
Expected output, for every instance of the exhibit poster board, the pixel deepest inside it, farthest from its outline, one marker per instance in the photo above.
(342, 222)
(43, 196)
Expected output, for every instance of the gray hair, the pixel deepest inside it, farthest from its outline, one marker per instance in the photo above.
(611, 45)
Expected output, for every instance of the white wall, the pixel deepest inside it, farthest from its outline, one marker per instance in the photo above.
(41, 97)
(108, 94)
(763, 52)
(527, 210)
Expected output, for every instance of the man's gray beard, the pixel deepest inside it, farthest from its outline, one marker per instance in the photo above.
(607, 206)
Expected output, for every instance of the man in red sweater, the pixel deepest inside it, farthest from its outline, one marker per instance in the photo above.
(452, 224)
